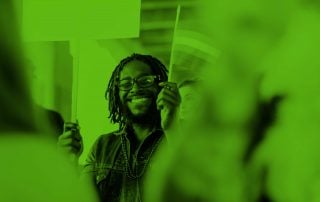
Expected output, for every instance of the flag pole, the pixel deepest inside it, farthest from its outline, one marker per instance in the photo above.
(173, 42)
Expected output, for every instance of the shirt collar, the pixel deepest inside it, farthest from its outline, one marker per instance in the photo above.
(125, 130)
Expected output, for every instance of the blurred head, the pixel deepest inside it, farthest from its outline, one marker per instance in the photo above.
(16, 105)
(133, 89)
(246, 30)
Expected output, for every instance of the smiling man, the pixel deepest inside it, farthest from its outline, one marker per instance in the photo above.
(141, 101)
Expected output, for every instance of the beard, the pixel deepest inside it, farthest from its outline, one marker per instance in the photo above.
(151, 116)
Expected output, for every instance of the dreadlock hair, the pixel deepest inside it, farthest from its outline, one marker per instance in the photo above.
(112, 93)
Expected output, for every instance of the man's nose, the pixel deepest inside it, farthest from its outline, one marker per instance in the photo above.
(135, 88)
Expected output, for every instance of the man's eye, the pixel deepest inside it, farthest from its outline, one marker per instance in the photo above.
(125, 84)
(146, 81)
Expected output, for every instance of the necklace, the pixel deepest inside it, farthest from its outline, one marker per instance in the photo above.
(129, 172)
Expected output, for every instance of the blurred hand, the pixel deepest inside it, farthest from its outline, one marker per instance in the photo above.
(168, 102)
(71, 143)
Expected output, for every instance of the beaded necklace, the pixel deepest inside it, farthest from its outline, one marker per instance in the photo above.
(129, 172)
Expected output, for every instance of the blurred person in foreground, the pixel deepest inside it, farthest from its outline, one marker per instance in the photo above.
(142, 102)
(270, 54)
(54, 118)
(204, 159)
(212, 165)
(285, 167)
(31, 168)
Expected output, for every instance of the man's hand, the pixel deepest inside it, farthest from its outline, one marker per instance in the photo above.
(168, 102)
(71, 142)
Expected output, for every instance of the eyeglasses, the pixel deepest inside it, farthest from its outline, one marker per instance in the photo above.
(143, 82)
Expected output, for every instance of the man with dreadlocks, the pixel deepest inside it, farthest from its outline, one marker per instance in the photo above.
(142, 102)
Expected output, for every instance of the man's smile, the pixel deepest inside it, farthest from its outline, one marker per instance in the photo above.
(138, 96)
(139, 99)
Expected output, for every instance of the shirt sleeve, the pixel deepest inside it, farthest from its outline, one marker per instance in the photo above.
(89, 164)
(88, 169)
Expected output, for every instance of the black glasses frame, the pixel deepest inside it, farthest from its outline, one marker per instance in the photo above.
(136, 80)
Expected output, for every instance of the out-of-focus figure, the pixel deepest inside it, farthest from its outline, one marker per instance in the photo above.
(203, 162)
(286, 164)
(54, 120)
(262, 98)
(31, 168)
(14, 90)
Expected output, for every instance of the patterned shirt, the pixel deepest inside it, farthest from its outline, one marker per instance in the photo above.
(117, 164)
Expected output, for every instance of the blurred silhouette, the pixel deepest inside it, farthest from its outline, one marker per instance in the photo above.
(54, 119)
(262, 141)
(31, 168)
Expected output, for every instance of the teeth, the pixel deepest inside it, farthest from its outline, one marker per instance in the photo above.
(139, 99)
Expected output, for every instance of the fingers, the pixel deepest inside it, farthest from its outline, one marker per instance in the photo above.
(169, 85)
(69, 135)
(66, 135)
(162, 104)
(168, 98)
(165, 98)
(70, 141)
(172, 93)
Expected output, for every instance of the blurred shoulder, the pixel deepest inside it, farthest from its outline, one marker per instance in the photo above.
(32, 161)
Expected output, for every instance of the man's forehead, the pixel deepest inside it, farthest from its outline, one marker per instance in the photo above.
(135, 68)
